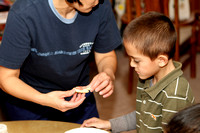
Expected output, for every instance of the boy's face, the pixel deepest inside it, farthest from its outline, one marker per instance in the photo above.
(86, 6)
(144, 66)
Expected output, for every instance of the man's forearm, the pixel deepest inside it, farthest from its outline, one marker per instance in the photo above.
(107, 63)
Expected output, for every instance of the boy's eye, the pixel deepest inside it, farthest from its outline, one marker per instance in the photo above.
(136, 61)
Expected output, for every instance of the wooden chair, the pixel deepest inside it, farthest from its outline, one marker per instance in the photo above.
(189, 43)
(126, 18)
(130, 12)
(186, 36)
(197, 15)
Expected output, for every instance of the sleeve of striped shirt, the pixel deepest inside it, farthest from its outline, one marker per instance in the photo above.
(124, 123)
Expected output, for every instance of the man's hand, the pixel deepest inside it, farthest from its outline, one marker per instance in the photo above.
(103, 84)
(106, 65)
(56, 99)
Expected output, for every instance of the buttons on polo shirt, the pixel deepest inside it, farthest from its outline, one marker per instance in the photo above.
(144, 101)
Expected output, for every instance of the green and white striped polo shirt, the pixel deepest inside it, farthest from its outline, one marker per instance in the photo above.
(156, 104)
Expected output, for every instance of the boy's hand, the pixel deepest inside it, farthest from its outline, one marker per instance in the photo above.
(103, 84)
(97, 123)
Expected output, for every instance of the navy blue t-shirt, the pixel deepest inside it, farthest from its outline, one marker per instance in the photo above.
(51, 51)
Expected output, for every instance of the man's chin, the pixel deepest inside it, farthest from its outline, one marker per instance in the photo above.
(85, 13)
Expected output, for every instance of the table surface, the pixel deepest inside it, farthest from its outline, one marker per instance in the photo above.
(39, 126)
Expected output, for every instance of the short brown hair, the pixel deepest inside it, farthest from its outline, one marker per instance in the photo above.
(152, 34)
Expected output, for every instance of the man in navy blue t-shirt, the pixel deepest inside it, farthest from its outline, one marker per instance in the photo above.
(45, 53)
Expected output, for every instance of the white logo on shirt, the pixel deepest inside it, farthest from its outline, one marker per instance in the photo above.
(86, 47)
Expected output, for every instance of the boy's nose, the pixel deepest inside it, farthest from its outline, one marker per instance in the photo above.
(132, 64)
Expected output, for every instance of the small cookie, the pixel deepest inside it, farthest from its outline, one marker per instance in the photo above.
(82, 89)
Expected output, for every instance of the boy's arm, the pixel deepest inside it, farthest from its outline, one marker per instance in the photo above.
(124, 123)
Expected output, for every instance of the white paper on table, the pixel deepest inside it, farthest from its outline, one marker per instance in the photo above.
(86, 130)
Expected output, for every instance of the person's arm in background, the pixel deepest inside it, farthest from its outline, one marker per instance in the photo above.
(123, 123)
(103, 82)
(11, 84)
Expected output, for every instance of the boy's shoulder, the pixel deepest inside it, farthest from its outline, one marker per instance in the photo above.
(176, 83)
(178, 86)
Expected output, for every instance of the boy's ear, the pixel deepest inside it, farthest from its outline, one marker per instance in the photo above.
(162, 60)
